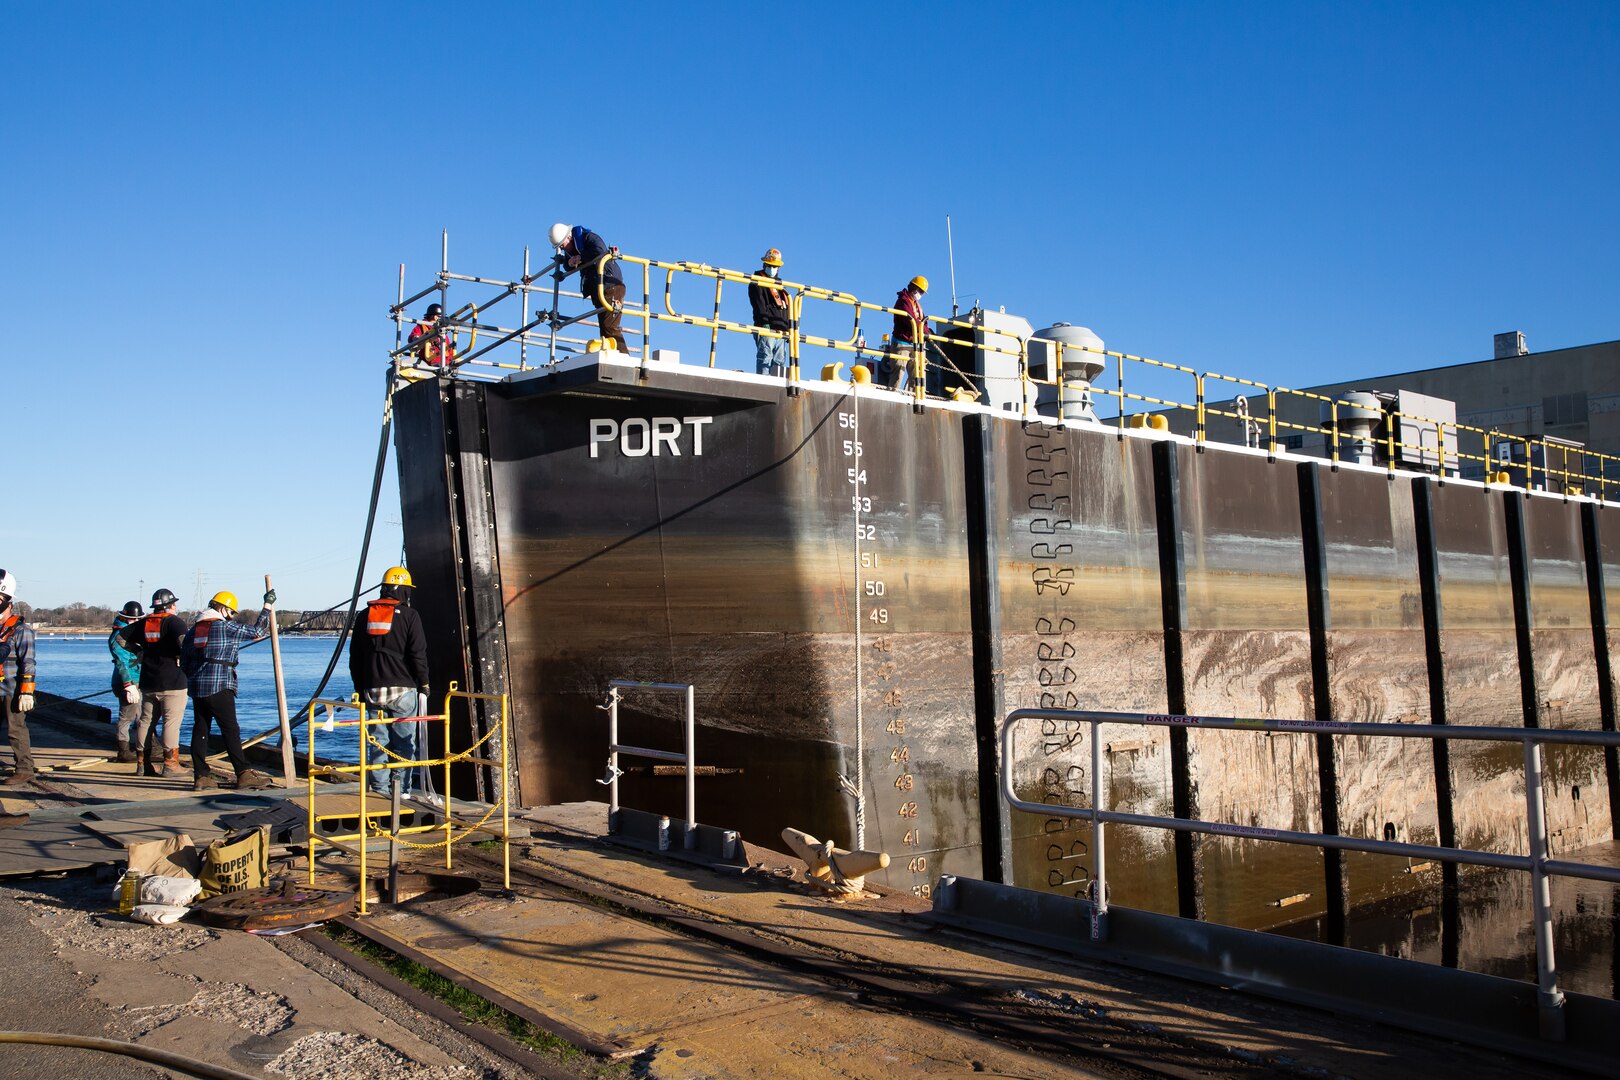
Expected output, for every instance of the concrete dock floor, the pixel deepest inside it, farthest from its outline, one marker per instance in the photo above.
(644, 957)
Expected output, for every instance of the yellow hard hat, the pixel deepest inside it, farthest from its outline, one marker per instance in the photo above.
(920, 283)
(398, 575)
(772, 258)
(225, 599)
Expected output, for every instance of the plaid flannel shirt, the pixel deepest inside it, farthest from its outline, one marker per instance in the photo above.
(213, 668)
(17, 659)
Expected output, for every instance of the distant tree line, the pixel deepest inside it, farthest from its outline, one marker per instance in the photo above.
(95, 617)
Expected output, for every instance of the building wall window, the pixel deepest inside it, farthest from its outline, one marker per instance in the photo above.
(1563, 409)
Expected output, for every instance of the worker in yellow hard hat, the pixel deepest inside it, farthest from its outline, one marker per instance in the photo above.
(905, 352)
(772, 311)
(208, 656)
(388, 665)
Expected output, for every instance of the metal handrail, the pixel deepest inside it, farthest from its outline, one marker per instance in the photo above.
(1538, 863)
(1456, 442)
(688, 759)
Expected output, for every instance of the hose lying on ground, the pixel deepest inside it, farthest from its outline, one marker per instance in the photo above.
(165, 1058)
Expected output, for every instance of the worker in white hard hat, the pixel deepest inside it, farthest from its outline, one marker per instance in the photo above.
(773, 310)
(910, 335)
(599, 279)
(17, 687)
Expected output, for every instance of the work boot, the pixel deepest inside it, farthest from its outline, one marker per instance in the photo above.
(204, 782)
(125, 754)
(17, 779)
(171, 762)
(146, 765)
(11, 821)
(253, 780)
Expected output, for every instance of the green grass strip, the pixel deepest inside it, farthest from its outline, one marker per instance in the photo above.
(473, 1009)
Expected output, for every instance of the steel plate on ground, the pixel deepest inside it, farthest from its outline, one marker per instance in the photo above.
(285, 904)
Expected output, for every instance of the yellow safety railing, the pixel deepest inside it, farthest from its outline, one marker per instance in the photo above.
(367, 719)
(1136, 388)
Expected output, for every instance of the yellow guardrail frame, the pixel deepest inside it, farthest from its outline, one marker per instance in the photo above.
(367, 718)
(1456, 444)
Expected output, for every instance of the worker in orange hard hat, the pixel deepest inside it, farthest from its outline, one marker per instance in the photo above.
(906, 344)
(773, 310)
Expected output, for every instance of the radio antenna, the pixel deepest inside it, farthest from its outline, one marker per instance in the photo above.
(950, 247)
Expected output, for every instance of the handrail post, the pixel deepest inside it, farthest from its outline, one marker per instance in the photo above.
(1198, 410)
(1271, 423)
(1549, 999)
(691, 768)
(1099, 862)
(714, 328)
(613, 758)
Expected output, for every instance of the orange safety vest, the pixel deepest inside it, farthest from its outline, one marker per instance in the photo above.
(380, 616)
(153, 628)
(9, 625)
(200, 632)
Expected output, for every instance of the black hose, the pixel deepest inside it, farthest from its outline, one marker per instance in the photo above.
(365, 549)
(166, 1058)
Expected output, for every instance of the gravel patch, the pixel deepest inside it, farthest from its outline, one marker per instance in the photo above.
(110, 935)
(337, 1055)
(223, 1003)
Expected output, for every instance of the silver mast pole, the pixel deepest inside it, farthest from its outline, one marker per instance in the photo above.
(950, 247)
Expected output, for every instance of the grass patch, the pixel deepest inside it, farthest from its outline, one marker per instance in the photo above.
(473, 1009)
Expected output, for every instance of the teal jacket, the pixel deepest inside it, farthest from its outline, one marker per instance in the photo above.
(126, 665)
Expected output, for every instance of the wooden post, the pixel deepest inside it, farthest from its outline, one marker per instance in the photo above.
(289, 770)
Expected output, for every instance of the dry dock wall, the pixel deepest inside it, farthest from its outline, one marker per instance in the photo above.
(859, 591)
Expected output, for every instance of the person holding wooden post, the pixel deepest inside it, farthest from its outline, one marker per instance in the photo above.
(208, 656)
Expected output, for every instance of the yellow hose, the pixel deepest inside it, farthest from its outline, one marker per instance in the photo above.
(167, 1059)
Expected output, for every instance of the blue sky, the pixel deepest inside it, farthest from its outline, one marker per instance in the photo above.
(205, 207)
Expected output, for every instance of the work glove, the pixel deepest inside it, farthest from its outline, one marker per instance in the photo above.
(131, 693)
(25, 702)
(270, 598)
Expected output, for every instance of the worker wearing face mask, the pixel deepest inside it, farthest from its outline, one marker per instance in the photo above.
(772, 311)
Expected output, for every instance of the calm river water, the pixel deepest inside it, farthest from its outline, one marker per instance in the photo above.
(72, 668)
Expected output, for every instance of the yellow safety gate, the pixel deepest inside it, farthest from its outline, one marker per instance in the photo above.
(364, 722)
(1457, 444)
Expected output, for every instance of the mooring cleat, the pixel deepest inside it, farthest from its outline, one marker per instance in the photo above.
(830, 868)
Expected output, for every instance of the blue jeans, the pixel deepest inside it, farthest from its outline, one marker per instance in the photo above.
(399, 738)
(770, 355)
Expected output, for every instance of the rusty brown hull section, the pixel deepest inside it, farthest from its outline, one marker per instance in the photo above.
(807, 568)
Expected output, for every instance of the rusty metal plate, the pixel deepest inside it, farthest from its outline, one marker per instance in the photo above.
(282, 905)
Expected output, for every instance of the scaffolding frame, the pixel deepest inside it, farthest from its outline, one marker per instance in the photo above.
(548, 329)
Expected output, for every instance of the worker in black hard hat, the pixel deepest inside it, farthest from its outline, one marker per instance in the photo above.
(437, 351)
(126, 677)
(157, 638)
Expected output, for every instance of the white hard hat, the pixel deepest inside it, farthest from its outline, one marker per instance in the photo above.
(559, 233)
(8, 584)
